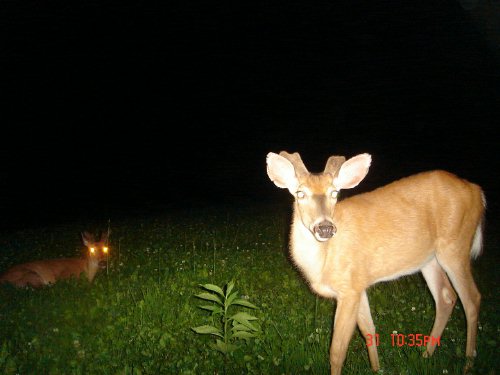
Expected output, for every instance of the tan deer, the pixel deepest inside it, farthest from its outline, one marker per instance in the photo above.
(429, 222)
(39, 273)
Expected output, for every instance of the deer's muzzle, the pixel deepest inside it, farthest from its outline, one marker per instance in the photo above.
(324, 230)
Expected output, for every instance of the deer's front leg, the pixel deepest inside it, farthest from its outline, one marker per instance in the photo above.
(367, 328)
(345, 322)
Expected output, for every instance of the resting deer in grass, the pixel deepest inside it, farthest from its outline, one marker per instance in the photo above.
(429, 222)
(39, 273)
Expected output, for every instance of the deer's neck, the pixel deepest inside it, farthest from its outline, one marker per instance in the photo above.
(91, 268)
(307, 253)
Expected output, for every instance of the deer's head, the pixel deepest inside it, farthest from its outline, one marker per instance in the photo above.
(98, 251)
(316, 193)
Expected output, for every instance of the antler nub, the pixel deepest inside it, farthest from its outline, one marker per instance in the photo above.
(298, 164)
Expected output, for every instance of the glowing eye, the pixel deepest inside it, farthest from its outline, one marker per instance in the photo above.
(334, 194)
(92, 250)
(301, 194)
(105, 249)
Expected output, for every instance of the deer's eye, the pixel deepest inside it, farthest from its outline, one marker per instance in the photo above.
(92, 250)
(334, 194)
(301, 194)
(105, 250)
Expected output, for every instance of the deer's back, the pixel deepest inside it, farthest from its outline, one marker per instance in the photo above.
(395, 229)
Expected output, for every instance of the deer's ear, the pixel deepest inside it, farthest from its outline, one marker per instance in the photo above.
(281, 172)
(87, 238)
(352, 172)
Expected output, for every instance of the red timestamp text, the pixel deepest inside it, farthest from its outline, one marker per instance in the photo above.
(399, 339)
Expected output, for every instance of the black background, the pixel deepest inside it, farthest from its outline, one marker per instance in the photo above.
(111, 108)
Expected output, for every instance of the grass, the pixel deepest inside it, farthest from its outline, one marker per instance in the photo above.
(136, 317)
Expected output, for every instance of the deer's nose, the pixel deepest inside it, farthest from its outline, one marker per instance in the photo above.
(325, 229)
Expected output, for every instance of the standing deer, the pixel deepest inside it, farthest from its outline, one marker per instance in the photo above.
(44, 272)
(429, 222)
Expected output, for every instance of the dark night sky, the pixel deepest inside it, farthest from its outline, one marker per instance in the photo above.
(111, 106)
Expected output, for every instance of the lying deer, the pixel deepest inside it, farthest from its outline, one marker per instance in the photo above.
(44, 272)
(430, 222)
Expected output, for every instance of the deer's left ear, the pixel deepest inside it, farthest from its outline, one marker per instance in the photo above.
(352, 172)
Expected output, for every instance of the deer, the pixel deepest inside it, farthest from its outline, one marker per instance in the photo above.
(41, 273)
(430, 222)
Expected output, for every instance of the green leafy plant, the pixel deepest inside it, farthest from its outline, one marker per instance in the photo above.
(231, 328)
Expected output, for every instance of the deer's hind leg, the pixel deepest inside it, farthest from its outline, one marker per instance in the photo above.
(444, 297)
(458, 268)
(33, 279)
(23, 277)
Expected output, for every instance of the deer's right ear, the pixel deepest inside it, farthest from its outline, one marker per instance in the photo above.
(281, 172)
(86, 238)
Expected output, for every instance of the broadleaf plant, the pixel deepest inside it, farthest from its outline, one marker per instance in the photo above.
(231, 328)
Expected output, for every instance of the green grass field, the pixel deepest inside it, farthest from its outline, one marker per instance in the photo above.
(136, 317)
